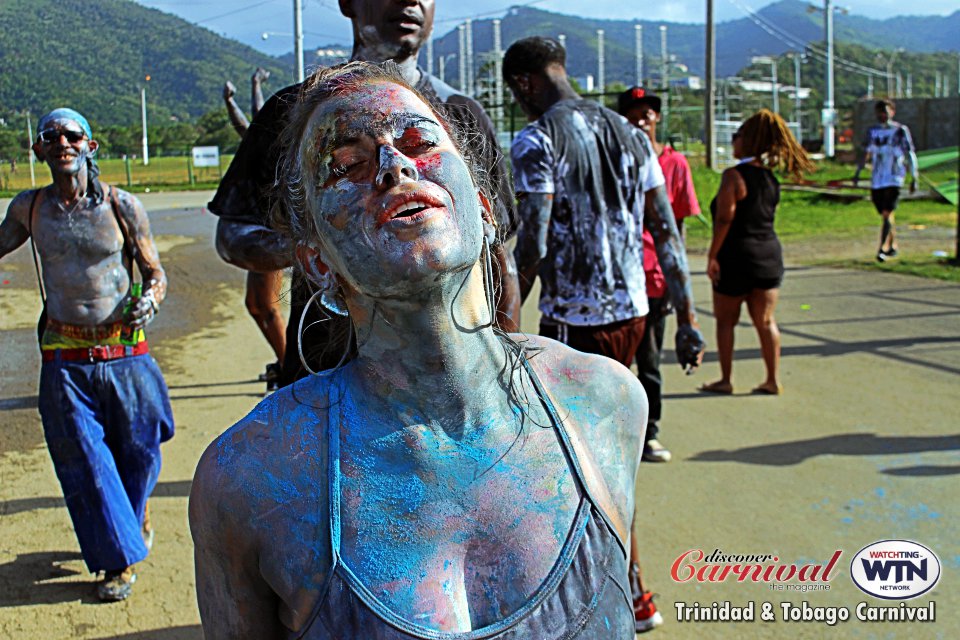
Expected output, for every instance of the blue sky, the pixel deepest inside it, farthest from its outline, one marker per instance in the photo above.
(247, 20)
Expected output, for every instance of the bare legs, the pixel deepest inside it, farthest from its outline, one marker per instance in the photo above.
(888, 234)
(726, 309)
(263, 303)
(760, 304)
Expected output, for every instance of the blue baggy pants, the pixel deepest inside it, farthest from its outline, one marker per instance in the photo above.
(104, 423)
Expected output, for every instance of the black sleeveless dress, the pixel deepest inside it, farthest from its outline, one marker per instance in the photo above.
(751, 256)
(584, 596)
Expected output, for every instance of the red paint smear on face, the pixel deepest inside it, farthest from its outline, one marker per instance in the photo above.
(427, 163)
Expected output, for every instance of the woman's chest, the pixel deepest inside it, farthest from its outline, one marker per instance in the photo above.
(459, 546)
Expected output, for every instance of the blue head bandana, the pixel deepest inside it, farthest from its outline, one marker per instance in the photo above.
(93, 184)
(65, 114)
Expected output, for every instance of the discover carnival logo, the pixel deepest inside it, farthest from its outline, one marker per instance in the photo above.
(764, 567)
(895, 569)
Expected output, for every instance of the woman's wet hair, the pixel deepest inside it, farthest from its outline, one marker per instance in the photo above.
(767, 137)
(290, 214)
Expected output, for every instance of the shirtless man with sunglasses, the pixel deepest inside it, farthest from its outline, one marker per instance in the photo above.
(103, 401)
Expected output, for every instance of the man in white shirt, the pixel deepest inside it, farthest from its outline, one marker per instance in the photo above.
(890, 148)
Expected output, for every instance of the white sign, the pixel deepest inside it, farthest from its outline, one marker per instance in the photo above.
(206, 156)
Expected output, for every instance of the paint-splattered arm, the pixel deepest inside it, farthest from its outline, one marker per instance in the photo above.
(237, 117)
(534, 209)
(863, 156)
(659, 219)
(147, 258)
(253, 247)
(911, 154)
(234, 599)
(14, 230)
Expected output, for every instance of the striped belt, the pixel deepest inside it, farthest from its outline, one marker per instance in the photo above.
(93, 333)
(99, 353)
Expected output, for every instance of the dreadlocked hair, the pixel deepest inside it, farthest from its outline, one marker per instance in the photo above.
(766, 136)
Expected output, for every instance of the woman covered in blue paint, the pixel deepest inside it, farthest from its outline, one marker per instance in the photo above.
(449, 481)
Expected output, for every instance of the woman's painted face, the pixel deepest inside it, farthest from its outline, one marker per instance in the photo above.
(392, 197)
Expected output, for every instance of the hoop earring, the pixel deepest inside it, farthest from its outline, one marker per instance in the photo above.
(303, 317)
(488, 280)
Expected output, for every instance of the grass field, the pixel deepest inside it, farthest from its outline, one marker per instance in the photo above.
(166, 172)
(805, 215)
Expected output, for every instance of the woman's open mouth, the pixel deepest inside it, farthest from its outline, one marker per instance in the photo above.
(411, 209)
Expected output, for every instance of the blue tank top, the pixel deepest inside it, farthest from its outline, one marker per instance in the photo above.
(585, 595)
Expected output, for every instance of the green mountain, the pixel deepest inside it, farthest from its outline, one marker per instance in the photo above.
(95, 56)
(777, 28)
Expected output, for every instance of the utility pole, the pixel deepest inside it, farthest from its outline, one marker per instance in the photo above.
(664, 81)
(462, 58)
(600, 70)
(797, 115)
(665, 77)
(638, 46)
(498, 72)
(471, 88)
(710, 108)
(829, 114)
(143, 122)
(30, 141)
(899, 85)
(775, 90)
(890, 75)
(297, 38)
(429, 56)
(869, 85)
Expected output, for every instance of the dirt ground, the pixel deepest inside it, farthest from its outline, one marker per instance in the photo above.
(863, 446)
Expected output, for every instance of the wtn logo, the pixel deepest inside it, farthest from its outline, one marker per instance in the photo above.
(895, 569)
(904, 569)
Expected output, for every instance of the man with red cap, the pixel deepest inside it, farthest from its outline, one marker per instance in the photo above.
(642, 109)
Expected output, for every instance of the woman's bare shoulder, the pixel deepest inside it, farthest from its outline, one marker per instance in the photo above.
(603, 409)
(290, 423)
(561, 368)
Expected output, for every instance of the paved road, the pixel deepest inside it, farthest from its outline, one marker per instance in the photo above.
(863, 446)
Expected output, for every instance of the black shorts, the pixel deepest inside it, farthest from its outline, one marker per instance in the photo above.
(885, 199)
(738, 286)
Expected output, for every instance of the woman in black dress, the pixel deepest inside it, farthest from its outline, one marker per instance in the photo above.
(745, 263)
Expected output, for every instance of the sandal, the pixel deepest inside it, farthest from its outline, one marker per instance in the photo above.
(765, 390)
(116, 585)
(719, 387)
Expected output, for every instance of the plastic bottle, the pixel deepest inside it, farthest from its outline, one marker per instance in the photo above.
(128, 335)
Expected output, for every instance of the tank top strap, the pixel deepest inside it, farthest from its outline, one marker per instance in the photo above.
(333, 471)
(569, 451)
(333, 497)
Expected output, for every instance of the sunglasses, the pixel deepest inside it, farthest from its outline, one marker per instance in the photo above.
(53, 135)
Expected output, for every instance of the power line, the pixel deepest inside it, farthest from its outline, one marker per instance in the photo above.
(794, 41)
(235, 11)
(487, 14)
